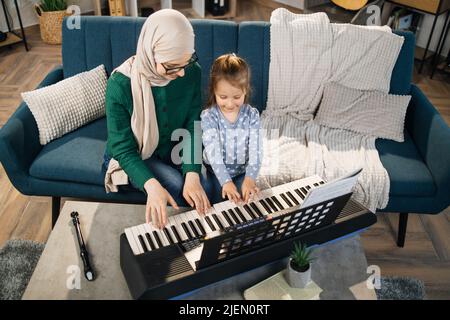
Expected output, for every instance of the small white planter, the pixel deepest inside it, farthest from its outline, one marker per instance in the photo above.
(297, 279)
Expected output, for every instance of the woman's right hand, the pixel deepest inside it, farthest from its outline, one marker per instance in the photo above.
(230, 191)
(157, 199)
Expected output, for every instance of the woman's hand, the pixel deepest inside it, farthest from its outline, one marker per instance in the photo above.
(249, 189)
(194, 193)
(230, 191)
(157, 198)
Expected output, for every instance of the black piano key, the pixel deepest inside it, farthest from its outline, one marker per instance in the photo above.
(316, 184)
(150, 241)
(322, 182)
(271, 204)
(304, 190)
(175, 232)
(186, 230)
(241, 215)
(233, 216)
(158, 240)
(256, 209)
(300, 194)
(265, 205)
(209, 222)
(231, 223)
(166, 232)
(250, 212)
(194, 229)
(141, 240)
(218, 221)
(285, 198)
(200, 226)
(290, 195)
(277, 202)
(308, 187)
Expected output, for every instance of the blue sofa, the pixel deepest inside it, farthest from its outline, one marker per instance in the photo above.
(419, 168)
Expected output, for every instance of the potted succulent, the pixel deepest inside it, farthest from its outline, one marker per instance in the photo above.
(51, 14)
(299, 266)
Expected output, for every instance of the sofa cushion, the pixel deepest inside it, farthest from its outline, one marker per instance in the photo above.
(75, 157)
(408, 173)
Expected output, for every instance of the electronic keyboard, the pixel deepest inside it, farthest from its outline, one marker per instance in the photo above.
(233, 238)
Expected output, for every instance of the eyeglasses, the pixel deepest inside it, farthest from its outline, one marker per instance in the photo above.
(191, 61)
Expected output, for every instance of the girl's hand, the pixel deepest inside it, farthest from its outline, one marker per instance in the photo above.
(230, 191)
(157, 198)
(249, 189)
(194, 193)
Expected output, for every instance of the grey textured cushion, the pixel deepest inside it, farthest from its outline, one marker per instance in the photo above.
(368, 112)
(69, 104)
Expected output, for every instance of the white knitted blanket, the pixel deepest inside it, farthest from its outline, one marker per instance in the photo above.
(308, 51)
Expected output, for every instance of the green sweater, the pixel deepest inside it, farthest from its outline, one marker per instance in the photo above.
(178, 105)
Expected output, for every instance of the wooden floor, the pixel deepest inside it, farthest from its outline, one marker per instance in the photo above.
(426, 255)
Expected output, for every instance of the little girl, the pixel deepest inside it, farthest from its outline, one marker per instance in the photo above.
(230, 129)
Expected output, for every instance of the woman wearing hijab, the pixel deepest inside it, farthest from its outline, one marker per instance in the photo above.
(149, 96)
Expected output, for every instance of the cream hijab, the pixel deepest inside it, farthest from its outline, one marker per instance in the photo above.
(165, 36)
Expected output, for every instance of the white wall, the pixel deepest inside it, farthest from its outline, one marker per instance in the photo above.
(29, 16)
(425, 28)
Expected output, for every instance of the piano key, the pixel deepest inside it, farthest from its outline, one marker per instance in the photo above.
(256, 209)
(304, 191)
(259, 205)
(162, 236)
(141, 231)
(200, 226)
(210, 223)
(186, 230)
(191, 217)
(271, 204)
(149, 240)
(227, 218)
(149, 229)
(213, 221)
(136, 239)
(132, 241)
(234, 216)
(225, 206)
(180, 229)
(250, 211)
(277, 202)
(158, 240)
(141, 240)
(300, 194)
(186, 227)
(218, 221)
(293, 198)
(168, 236)
(194, 229)
(244, 213)
(308, 187)
(266, 206)
(284, 197)
(176, 234)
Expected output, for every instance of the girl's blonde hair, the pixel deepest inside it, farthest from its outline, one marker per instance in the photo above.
(232, 69)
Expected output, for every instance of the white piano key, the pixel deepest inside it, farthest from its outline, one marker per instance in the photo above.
(213, 221)
(149, 229)
(220, 216)
(192, 215)
(161, 235)
(179, 228)
(132, 241)
(184, 219)
(135, 235)
(142, 231)
(245, 213)
(169, 224)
